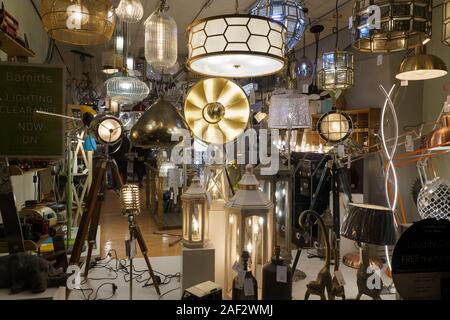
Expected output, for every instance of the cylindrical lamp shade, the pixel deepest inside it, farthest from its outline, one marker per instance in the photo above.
(130, 11)
(195, 216)
(404, 24)
(236, 46)
(126, 90)
(369, 224)
(79, 22)
(434, 200)
(446, 22)
(107, 129)
(161, 41)
(288, 12)
(130, 199)
(289, 111)
(337, 72)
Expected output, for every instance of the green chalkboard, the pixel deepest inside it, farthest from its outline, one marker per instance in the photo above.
(25, 88)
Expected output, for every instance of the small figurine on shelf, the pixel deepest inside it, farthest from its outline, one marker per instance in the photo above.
(245, 286)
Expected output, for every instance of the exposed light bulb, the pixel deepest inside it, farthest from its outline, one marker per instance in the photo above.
(77, 16)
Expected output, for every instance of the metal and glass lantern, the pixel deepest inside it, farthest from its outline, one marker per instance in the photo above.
(446, 22)
(278, 188)
(288, 12)
(249, 228)
(195, 216)
(337, 71)
(79, 22)
(236, 46)
(404, 24)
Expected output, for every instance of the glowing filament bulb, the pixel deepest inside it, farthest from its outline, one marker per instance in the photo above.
(249, 247)
(195, 226)
(77, 16)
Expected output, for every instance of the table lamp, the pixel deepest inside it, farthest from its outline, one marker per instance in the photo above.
(368, 224)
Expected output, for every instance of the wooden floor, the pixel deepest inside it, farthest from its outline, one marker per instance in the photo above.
(114, 230)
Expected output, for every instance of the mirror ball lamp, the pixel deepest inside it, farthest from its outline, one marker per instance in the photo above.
(434, 200)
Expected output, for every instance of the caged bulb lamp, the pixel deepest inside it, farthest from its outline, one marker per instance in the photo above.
(288, 12)
(195, 216)
(130, 200)
(107, 129)
(335, 127)
(236, 46)
(78, 22)
(130, 11)
(161, 39)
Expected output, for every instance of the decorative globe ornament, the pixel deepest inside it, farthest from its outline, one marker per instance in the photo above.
(161, 39)
(130, 11)
(434, 200)
(78, 22)
(305, 68)
(288, 12)
(125, 90)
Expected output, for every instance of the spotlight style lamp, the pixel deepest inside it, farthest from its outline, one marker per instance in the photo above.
(421, 66)
(249, 228)
(338, 67)
(79, 22)
(288, 12)
(130, 11)
(161, 39)
(368, 224)
(236, 46)
(195, 216)
(106, 129)
(404, 24)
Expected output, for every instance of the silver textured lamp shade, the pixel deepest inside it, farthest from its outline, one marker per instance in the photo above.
(434, 200)
(369, 224)
(289, 111)
(156, 126)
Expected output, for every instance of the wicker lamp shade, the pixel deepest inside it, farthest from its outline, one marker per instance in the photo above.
(79, 22)
(404, 24)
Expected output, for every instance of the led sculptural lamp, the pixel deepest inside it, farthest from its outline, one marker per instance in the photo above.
(236, 46)
(79, 22)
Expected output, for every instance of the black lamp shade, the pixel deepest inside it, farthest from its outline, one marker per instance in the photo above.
(369, 224)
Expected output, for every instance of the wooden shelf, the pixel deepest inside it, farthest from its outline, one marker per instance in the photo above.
(13, 48)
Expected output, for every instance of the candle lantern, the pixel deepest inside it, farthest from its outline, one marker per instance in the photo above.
(195, 216)
(278, 188)
(249, 228)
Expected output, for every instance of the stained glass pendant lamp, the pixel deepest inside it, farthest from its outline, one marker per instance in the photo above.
(161, 39)
(404, 24)
(236, 46)
(288, 12)
(338, 68)
(130, 11)
(78, 22)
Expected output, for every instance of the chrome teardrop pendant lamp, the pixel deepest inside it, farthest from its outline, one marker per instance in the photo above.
(305, 67)
(236, 46)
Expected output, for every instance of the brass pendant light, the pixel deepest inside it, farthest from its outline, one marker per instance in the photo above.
(217, 110)
(421, 66)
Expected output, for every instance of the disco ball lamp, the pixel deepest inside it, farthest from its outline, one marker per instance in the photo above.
(434, 200)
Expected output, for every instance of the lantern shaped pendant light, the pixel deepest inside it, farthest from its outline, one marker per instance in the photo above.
(130, 11)
(446, 22)
(78, 22)
(338, 68)
(249, 228)
(195, 216)
(161, 39)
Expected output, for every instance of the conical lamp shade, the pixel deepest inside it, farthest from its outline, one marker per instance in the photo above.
(157, 125)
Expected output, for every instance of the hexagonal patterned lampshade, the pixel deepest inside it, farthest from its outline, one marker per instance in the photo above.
(236, 46)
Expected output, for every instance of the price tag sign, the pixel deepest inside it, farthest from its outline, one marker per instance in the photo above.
(341, 150)
(404, 83)
(350, 22)
(305, 88)
(249, 290)
(282, 274)
(409, 143)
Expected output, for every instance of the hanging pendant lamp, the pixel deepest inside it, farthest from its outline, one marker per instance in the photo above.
(421, 66)
(313, 91)
(305, 67)
(236, 46)
(288, 12)
(126, 90)
(78, 22)
(161, 39)
(130, 11)
(446, 22)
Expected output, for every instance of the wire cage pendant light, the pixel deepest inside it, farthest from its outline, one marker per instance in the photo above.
(404, 24)
(161, 39)
(130, 11)
(78, 22)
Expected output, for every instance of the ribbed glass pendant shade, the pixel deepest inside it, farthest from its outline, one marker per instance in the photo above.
(130, 11)
(126, 90)
(161, 42)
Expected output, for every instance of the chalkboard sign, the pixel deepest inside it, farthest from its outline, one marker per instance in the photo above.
(421, 261)
(25, 88)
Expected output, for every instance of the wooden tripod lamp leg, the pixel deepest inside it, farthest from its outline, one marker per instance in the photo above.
(92, 238)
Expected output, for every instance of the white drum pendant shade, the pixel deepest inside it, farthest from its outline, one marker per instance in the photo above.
(236, 46)
(161, 42)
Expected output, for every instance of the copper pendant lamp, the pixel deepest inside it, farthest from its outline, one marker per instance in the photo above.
(217, 110)
(441, 136)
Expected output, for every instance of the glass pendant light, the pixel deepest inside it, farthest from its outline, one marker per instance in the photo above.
(112, 59)
(446, 22)
(236, 46)
(338, 68)
(421, 66)
(305, 67)
(161, 39)
(130, 11)
(288, 12)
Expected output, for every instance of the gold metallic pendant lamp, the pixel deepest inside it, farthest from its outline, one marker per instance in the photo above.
(217, 110)
(421, 66)
(79, 22)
